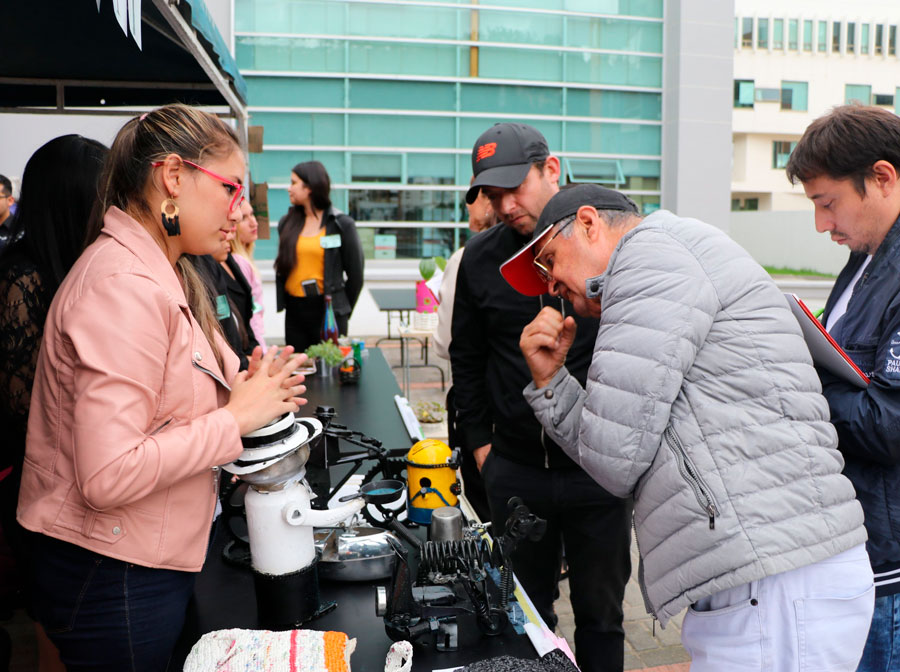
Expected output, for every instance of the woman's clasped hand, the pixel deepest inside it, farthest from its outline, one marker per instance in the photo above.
(268, 385)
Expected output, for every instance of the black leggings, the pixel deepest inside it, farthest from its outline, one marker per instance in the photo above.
(303, 320)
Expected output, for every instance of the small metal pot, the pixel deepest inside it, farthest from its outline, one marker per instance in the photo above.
(355, 553)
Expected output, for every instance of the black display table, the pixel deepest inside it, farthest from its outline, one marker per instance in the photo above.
(225, 599)
(225, 595)
(367, 406)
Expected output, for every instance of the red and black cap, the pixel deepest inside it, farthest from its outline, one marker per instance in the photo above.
(502, 156)
(519, 270)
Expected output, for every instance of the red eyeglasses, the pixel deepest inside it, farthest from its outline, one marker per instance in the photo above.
(239, 190)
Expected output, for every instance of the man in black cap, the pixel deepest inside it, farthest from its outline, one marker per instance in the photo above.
(702, 402)
(513, 167)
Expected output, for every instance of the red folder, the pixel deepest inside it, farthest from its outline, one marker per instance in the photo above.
(824, 349)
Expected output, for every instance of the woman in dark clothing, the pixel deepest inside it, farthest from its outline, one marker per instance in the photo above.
(237, 306)
(319, 254)
(59, 190)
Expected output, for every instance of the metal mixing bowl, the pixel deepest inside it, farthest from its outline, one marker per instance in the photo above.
(355, 553)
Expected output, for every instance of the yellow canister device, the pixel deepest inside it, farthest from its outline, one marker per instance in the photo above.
(431, 479)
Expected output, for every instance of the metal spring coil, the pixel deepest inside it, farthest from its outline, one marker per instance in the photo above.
(447, 557)
(506, 586)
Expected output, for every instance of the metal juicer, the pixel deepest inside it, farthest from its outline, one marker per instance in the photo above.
(280, 520)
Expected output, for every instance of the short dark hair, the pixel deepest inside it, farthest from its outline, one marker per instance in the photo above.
(845, 144)
(7, 186)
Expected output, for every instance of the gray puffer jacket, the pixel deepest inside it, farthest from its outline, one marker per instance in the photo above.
(703, 402)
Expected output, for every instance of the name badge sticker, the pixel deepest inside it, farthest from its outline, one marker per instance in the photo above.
(329, 242)
(223, 309)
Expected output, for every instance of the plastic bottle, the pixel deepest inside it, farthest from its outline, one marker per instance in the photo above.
(329, 323)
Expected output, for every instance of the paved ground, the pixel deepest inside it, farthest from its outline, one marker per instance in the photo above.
(660, 651)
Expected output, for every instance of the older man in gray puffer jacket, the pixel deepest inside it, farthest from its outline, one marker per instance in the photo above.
(703, 403)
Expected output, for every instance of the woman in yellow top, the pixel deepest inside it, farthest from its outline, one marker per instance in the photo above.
(319, 254)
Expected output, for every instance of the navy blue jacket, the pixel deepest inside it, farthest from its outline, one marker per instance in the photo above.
(868, 420)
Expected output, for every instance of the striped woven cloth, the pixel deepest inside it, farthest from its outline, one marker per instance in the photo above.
(239, 650)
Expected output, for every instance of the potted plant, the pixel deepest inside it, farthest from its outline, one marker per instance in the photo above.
(430, 411)
(327, 354)
(425, 317)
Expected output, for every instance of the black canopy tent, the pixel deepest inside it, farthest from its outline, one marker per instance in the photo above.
(68, 57)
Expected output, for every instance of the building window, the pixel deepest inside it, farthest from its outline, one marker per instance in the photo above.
(778, 34)
(851, 38)
(792, 34)
(897, 100)
(781, 152)
(765, 95)
(807, 35)
(739, 204)
(836, 37)
(892, 42)
(743, 93)
(747, 32)
(864, 38)
(886, 99)
(762, 33)
(794, 96)
(857, 93)
(879, 39)
(376, 167)
(822, 37)
(395, 205)
(597, 171)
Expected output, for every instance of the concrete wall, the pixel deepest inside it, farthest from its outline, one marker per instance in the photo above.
(754, 174)
(787, 239)
(22, 134)
(697, 93)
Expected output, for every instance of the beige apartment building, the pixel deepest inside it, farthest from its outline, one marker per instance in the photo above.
(792, 63)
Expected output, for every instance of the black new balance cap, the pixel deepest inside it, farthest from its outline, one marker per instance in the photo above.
(519, 270)
(502, 156)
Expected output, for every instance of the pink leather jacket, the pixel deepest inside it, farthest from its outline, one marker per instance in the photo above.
(126, 422)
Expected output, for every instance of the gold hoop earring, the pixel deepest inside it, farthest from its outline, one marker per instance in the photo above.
(170, 221)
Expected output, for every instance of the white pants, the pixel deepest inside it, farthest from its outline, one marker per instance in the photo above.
(814, 618)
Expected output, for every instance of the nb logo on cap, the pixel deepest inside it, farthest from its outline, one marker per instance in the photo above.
(485, 151)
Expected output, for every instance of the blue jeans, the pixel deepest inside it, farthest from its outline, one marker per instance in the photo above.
(882, 652)
(106, 614)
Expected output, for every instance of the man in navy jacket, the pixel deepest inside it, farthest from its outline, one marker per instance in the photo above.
(848, 162)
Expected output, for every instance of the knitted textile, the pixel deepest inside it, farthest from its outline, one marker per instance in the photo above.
(239, 650)
(554, 661)
(399, 657)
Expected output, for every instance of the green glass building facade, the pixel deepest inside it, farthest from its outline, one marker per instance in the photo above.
(391, 95)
